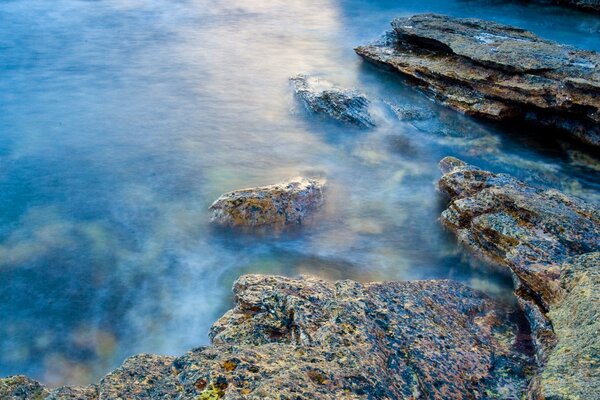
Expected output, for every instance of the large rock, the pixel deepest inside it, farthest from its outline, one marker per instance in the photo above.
(551, 242)
(496, 71)
(289, 202)
(322, 97)
(591, 5)
(311, 339)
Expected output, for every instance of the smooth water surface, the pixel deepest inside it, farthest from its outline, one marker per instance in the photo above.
(121, 121)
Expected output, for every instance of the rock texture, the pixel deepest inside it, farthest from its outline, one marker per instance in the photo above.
(324, 98)
(551, 242)
(496, 71)
(289, 202)
(591, 5)
(311, 339)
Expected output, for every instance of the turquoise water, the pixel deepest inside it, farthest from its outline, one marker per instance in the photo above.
(121, 121)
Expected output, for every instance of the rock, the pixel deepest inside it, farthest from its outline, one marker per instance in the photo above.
(322, 97)
(289, 202)
(590, 5)
(312, 339)
(551, 242)
(21, 388)
(572, 370)
(74, 393)
(496, 71)
(410, 113)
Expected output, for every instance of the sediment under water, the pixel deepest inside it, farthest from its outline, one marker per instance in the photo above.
(123, 120)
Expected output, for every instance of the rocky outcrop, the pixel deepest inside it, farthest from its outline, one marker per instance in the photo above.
(312, 339)
(590, 5)
(322, 97)
(551, 242)
(496, 71)
(289, 202)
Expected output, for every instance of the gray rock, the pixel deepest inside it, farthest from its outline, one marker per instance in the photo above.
(551, 242)
(289, 202)
(496, 71)
(322, 97)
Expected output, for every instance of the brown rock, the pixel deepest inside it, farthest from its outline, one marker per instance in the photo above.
(496, 71)
(289, 202)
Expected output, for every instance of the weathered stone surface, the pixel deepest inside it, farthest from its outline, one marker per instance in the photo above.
(312, 339)
(289, 202)
(551, 242)
(322, 97)
(592, 5)
(74, 393)
(496, 71)
(572, 370)
(21, 388)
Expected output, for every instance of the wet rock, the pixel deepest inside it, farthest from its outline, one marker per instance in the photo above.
(496, 71)
(312, 339)
(551, 242)
(322, 97)
(74, 393)
(21, 388)
(591, 5)
(410, 113)
(289, 202)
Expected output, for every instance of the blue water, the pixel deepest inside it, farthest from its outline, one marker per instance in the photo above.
(121, 121)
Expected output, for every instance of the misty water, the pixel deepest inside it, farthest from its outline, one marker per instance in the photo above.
(121, 121)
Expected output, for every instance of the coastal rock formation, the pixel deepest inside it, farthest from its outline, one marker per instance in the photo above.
(551, 242)
(496, 71)
(322, 97)
(591, 5)
(312, 339)
(285, 203)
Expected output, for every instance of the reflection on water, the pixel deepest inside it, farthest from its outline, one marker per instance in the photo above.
(123, 120)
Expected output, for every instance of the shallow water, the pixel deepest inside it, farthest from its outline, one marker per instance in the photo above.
(123, 120)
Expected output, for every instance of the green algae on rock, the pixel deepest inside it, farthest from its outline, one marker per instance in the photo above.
(496, 71)
(551, 242)
(285, 203)
(308, 338)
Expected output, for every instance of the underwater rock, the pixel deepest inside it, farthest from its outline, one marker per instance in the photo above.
(410, 113)
(496, 71)
(322, 97)
(551, 242)
(289, 202)
(308, 338)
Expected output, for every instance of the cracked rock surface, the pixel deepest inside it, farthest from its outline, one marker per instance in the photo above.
(285, 203)
(496, 71)
(551, 242)
(311, 339)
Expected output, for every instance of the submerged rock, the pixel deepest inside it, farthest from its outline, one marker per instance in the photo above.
(551, 242)
(496, 71)
(312, 339)
(410, 113)
(322, 97)
(288, 202)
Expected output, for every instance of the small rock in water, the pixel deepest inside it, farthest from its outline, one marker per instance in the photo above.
(343, 105)
(410, 113)
(285, 203)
